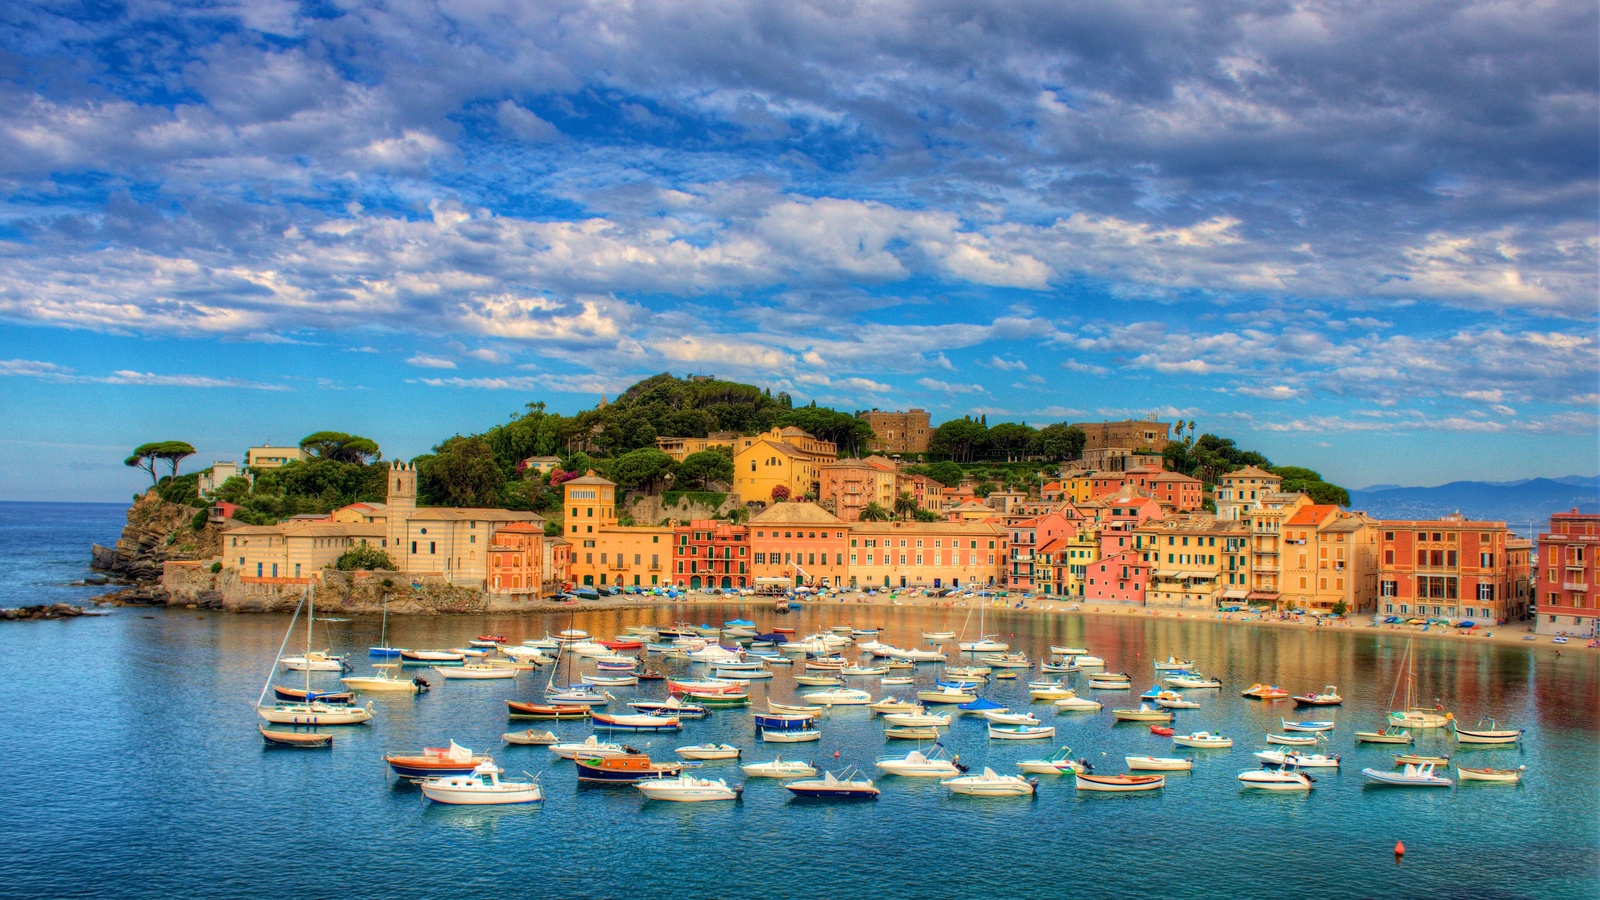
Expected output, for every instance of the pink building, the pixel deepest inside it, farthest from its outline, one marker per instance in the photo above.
(1027, 537)
(1119, 579)
(1566, 592)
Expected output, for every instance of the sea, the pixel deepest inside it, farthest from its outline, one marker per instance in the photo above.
(136, 770)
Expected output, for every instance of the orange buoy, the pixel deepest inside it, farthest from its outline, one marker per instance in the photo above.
(1399, 848)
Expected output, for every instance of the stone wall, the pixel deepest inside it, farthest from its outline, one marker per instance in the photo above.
(649, 510)
(351, 593)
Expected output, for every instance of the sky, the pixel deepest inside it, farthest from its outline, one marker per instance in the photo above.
(1360, 237)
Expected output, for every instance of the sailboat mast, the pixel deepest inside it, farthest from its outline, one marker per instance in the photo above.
(311, 620)
(289, 632)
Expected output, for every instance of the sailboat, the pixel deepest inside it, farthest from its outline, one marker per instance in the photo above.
(1415, 716)
(310, 711)
(382, 679)
(985, 642)
(572, 694)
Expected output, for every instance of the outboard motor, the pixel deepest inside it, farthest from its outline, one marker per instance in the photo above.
(422, 686)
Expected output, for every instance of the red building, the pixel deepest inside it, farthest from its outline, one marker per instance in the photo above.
(711, 553)
(1451, 568)
(1119, 579)
(1567, 595)
(1027, 537)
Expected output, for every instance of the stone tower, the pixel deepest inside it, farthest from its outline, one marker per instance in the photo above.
(402, 502)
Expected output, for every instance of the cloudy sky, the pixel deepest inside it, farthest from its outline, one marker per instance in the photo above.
(1358, 236)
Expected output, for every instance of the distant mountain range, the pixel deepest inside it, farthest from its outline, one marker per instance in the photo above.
(1514, 502)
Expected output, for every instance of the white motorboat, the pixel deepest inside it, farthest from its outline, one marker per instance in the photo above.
(1144, 713)
(1328, 697)
(1173, 664)
(966, 672)
(1413, 775)
(1389, 735)
(1050, 691)
(779, 768)
(590, 747)
(1001, 717)
(687, 789)
(1085, 661)
(818, 680)
(1306, 726)
(921, 719)
(1174, 700)
(1021, 732)
(1068, 651)
(1487, 731)
(947, 695)
(739, 674)
(917, 764)
(1202, 739)
(1097, 684)
(863, 672)
(381, 681)
(1006, 660)
(1158, 763)
(1298, 760)
(315, 713)
(827, 664)
(1077, 704)
(481, 788)
(708, 751)
(315, 662)
(934, 655)
(894, 705)
(1058, 668)
(991, 784)
(525, 654)
(839, 697)
(790, 736)
(1191, 682)
(898, 680)
(1120, 783)
(531, 738)
(1293, 740)
(431, 656)
(1276, 780)
(1060, 762)
(1502, 776)
(938, 635)
(474, 672)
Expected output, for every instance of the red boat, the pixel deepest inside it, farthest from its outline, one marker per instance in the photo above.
(497, 638)
(784, 630)
(435, 761)
(1162, 730)
(520, 710)
(621, 645)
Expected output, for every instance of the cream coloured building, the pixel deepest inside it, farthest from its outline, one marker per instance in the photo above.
(267, 456)
(293, 552)
(930, 554)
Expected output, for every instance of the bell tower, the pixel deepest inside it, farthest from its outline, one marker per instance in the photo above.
(401, 501)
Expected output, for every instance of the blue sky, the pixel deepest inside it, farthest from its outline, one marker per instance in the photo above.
(1357, 237)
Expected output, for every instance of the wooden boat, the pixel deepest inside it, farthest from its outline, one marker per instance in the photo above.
(672, 706)
(475, 672)
(304, 740)
(638, 722)
(794, 708)
(1259, 691)
(302, 695)
(1119, 783)
(1021, 732)
(918, 719)
(622, 644)
(521, 665)
(1173, 664)
(991, 784)
(785, 721)
(488, 640)
(687, 788)
(1415, 716)
(911, 733)
(606, 681)
(626, 769)
(704, 686)
(893, 705)
(1276, 780)
(1077, 704)
(1305, 726)
(839, 697)
(1158, 763)
(530, 738)
(1492, 734)
(1298, 760)
(1096, 684)
(1417, 759)
(860, 672)
(938, 635)
(590, 747)
(1085, 661)
(452, 760)
(431, 657)
(818, 681)
(1328, 697)
(1060, 762)
(1502, 776)
(1389, 735)
(1143, 714)
(790, 735)
(720, 699)
(1411, 776)
(1007, 661)
(1068, 651)
(779, 768)
(1291, 740)
(480, 787)
(897, 680)
(832, 787)
(1202, 740)
(1002, 717)
(521, 710)
(708, 751)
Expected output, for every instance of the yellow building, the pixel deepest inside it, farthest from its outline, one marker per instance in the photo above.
(1328, 557)
(1195, 561)
(1078, 488)
(267, 456)
(1265, 522)
(605, 553)
(293, 552)
(929, 554)
(1082, 550)
(786, 457)
(681, 448)
(1244, 489)
(440, 542)
(370, 513)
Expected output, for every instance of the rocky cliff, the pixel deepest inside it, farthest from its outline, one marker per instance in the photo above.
(157, 532)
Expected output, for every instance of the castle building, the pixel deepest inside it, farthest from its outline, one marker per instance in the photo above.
(899, 432)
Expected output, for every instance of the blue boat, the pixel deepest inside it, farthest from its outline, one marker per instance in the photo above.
(773, 638)
(384, 652)
(957, 685)
(739, 623)
(784, 721)
(982, 704)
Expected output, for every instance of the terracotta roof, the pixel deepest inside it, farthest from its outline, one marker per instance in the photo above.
(914, 528)
(589, 478)
(1252, 472)
(523, 528)
(1311, 515)
(450, 514)
(795, 514)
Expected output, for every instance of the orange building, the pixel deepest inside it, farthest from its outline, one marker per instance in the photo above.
(800, 543)
(516, 563)
(712, 554)
(1569, 576)
(847, 486)
(1450, 568)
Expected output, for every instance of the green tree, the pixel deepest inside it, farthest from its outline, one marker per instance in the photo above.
(926, 515)
(905, 505)
(848, 432)
(874, 512)
(461, 472)
(946, 473)
(235, 490)
(705, 467)
(171, 452)
(643, 469)
(363, 556)
(1011, 439)
(1059, 441)
(341, 447)
(145, 456)
(1311, 483)
(961, 440)
(984, 489)
(1340, 608)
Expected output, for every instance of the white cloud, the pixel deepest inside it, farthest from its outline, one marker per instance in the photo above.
(489, 355)
(1270, 392)
(945, 387)
(424, 361)
(46, 371)
(1007, 365)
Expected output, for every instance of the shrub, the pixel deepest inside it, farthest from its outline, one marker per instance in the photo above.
(216, 567)
(364, 556)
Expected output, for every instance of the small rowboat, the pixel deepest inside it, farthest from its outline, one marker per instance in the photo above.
(1289, 740)
(1057, 667)
(1492, 734)
(530, 738)
(898, 679)
(916, 720)
(1163, 730)
(1142, 714)
(1001, 717)
(818, 680)
(1502, 776)
(520, 710)
(1418, 759)
(1096, 684)
(635, 722)
(839, 697)
(475, 672)
(1173, 664)
(790, 736)
(911, 733)
(622, 644)
(1298, 760)
(796, 708)
(488, 640)
(785, 721)
(452, 760)
(626, 769)
(1276, 780)
(1259, 691)
(1411, 776)
(429, 657)
(1203, 740)
(1158, 763)
(1305, 726)
(1021, 732)
(1077, 704)
(1060, 762)
(304, 740)
(708, 751)
(1120, 783)
(1388, 735)
(1191, 681)
(590, 747)
(1328, 697)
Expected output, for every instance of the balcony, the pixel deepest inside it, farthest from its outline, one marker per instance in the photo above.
(1574, 586)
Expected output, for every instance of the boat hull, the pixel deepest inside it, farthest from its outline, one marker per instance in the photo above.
(593, 771)
(468, 796)
(297, 739)
(1120, 784)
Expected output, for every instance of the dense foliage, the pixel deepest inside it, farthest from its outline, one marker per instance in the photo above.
(341, 447)
(363, 556)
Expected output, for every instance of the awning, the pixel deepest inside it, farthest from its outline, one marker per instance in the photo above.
(777, 581)
(1235, 595)
(1264, 595)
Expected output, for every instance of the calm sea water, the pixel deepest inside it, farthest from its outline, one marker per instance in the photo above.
(137, 771)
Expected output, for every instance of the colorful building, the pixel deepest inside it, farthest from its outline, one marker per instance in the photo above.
(1026, 537)
(847, 486)
(1568, 594)
(786, 457)
(1195, 560)
(517, 563)
(681, 448)
(1329, 557)
(267, 456)
(604, 552)
(799, 543)
(293, 552)
(1244, 489)
(1449, 568)
(899, 432)
(1123, 578)
(926, 554)
(711, 553)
